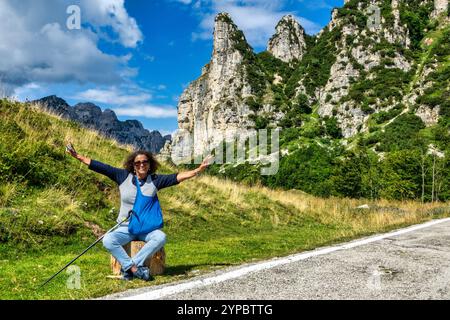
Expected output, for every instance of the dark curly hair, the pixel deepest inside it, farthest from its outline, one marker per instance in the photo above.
(129, 162)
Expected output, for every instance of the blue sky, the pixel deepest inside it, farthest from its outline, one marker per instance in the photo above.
(133, 56)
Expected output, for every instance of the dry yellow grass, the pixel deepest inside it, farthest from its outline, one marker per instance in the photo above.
(57, 198)
(380, 215)
(8, 192)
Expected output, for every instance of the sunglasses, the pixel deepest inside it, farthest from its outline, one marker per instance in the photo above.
(140, 163)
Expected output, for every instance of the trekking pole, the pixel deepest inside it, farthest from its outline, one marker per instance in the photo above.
(97, 241)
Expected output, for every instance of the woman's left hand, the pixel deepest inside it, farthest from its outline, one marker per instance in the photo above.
(181, 176)
(206, 162)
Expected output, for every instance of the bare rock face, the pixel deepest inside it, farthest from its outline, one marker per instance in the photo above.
(214, 106)
(166, 151)
(397, 33)
(333, 22)
(440, 7)
(57, 106)
(288, 43)
(356, 55)
(429, 116)
(215, 102)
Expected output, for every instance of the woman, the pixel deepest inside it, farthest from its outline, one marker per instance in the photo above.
(143, 165)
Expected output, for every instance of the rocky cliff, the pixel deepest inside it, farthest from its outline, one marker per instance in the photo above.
(361, 54)
(373, 62)
(288, 43)
(215, 102)
(232, 92)
(91, 116)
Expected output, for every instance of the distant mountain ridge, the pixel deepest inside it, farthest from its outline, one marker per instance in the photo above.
(105, 122)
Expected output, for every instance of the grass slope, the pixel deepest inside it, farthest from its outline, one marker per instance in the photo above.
(51, 208)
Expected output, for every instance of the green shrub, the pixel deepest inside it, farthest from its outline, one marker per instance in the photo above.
(332, 128)
(416, 17)
(316, 64)
(289, 134)
(384, 116)
(252, 104)
(261, 121)
(307, 169)
(402, 133)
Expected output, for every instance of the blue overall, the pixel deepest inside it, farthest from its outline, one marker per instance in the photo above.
(146, 214)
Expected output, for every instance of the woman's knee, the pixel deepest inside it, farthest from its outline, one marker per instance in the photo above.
(159, 236)
(108, 241)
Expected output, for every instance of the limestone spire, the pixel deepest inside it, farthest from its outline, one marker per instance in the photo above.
(288, 43)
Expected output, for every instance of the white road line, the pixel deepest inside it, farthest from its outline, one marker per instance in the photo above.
(177, 288)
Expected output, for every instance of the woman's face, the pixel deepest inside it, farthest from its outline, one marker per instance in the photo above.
(141, 165)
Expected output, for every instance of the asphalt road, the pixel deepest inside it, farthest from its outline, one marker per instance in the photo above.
(412, 263)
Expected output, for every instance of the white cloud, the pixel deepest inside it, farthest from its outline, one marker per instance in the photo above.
(112, 13)
(36, 47)
(129, 100)
(197, 5)
(27, 90)
(113, 96)
(148, 111)
(166, 132)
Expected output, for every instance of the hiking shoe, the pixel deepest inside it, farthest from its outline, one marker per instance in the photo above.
(126, 275)
(143, 273)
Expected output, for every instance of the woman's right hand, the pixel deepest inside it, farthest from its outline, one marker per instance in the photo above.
(71, 150)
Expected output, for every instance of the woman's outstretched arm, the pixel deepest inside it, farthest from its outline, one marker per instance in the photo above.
(73, 153)
(192, 173)
(115, 174)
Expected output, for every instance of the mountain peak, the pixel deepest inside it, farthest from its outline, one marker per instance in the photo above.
(55, 105)
(54, 99)
(287, 18)
(288, 43)
(224, 16)
(227, 37)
